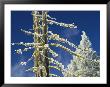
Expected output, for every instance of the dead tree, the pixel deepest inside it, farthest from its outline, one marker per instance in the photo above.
(41, 36)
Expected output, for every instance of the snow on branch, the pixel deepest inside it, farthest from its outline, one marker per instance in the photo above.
(30, 33)
(66, 49)
(56, 37)
(51, 17)
(23, 63)
(27, 32)
(29, 48)
(62, 24)
(60, 65)
(54, 54)
(36, 14)
(38, 69)
(55, 67)
(51, 60)
(31, 69)
(26, 44)
(53, 75)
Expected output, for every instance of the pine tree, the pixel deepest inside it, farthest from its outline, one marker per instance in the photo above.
(88, 66)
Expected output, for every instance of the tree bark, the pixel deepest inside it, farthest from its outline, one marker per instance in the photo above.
(44, 31)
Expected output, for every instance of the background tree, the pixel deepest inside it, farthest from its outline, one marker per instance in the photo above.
(88, 66)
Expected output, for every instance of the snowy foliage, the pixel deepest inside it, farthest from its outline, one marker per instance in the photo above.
(89, 66)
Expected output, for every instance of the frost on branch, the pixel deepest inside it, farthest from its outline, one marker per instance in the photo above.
(89, 66)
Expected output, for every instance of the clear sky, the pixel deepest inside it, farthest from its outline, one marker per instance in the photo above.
(88, 21)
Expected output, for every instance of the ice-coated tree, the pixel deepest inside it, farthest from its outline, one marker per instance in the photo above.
(41, 36)
(86, 66)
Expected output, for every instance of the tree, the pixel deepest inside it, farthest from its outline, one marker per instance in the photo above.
(88, 65)
(41, 36)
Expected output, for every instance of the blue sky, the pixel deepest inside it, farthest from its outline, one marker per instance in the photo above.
(88, 21)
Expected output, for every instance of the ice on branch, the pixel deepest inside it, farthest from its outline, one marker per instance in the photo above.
(67, 49)
(30, 33)
(27, 32)
(51, 17)
(23, 63)
(30, 59)
(53, 75)
(46, 46)
(54, 54)
(50, 32)
(27, 44)
(61, 24)
(60, 65)
(19, 51)
(55, 67)
(36, 14)
(53, 61)
(29, 48)
(56, 37)
(37, 70)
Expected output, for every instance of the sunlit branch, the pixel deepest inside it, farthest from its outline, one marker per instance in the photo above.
(54, 54)
(51, 17)
(51, 60)
(66, 49)
(53, 75)
(27, 32)
(32, 57)
(26, 44)
(56, 37)
(61, 24)
(55, 67)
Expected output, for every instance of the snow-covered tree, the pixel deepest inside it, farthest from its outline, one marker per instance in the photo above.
(86, 66)
(42, 49)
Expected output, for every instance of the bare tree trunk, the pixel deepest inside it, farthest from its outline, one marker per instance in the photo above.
(44, 31)
(37, 56)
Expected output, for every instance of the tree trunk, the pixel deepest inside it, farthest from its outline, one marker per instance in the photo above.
(44, 31)
(40, 61)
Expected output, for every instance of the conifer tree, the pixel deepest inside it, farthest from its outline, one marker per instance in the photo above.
(88, 66)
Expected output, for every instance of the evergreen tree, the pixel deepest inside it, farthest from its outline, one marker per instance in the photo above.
(87, 65)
